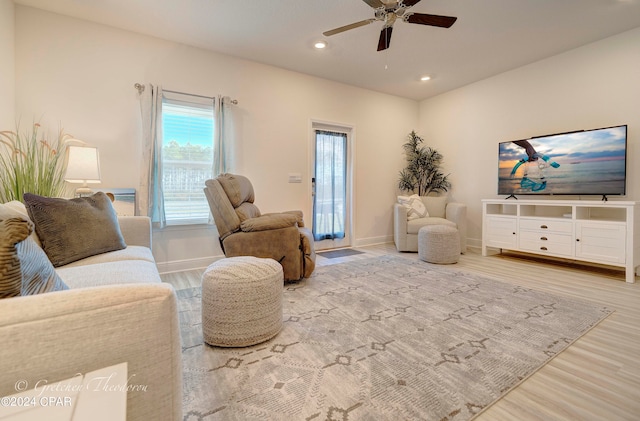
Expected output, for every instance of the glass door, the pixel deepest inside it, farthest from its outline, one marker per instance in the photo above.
(330, 190)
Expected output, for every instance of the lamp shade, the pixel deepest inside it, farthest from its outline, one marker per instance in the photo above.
(83, 165)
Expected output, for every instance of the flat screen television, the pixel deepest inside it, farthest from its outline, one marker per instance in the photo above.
(587, 162)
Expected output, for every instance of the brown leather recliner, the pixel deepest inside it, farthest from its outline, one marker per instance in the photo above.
(244, 231)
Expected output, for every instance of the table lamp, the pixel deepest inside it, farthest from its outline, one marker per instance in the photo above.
(83, 166)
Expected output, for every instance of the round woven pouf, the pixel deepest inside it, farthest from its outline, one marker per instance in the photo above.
(241, 301)
(439, 244)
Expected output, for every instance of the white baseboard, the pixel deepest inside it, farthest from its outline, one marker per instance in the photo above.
(474, 242)
(361, 242)
(476, 249)
(187, 264)
(203, 262)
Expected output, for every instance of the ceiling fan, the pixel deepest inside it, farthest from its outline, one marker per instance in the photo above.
(389, 11)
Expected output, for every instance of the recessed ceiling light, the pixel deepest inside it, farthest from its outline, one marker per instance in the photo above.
(320, 45)
(425, 78)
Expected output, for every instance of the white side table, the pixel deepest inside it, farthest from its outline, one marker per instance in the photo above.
(100, 395)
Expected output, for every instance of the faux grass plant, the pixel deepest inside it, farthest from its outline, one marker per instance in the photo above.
(29, 163)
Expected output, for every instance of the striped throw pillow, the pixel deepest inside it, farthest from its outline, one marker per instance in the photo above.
(24, 266)
(415, 206)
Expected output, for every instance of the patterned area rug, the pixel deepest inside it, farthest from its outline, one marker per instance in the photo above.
(382, 339)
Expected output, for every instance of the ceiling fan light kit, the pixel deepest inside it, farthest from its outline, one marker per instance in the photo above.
(390, 11)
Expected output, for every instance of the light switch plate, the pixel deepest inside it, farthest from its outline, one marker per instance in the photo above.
(295, 178)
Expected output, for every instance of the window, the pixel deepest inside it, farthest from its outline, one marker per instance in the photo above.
(187, 156)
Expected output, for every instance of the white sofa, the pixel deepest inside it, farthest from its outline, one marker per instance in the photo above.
(116, 310)
(441, 212)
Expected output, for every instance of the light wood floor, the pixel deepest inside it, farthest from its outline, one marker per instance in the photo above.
(596, 378)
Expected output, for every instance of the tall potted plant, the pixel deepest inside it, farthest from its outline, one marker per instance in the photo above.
(29, 163)
(422, 175)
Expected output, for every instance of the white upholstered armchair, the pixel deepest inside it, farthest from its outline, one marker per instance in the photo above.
(441, 211)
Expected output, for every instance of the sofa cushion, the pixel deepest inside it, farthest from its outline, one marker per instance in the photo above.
(414, 225)
(123, 256)
(436, 205)
(109, 273)
(72, 229)
(24, 267)
(414, 205)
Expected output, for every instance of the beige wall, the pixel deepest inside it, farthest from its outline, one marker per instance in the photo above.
(82, 74)
(597, 85)
(7, 74)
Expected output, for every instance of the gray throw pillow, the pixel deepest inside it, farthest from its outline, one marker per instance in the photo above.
(72, 229)
(24, 267)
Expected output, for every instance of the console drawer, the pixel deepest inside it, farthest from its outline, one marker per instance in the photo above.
(546, 225)
(562, 248)
(545, 237)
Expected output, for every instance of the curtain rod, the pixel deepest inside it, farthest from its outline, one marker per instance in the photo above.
(140, 89)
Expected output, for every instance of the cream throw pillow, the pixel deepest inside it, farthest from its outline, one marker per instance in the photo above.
(414, 205)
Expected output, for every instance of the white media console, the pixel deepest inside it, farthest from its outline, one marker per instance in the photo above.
(592, 231)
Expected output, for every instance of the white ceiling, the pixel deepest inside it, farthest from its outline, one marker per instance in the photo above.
(489, 37)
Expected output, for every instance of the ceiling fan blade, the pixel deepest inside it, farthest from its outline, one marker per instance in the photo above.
(410, 3)
(347, 27)
(385, 38)
(375, 3)
(431, 20)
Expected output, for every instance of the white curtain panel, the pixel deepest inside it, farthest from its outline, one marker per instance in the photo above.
(224, 141)
(329, 201)
(151, 200)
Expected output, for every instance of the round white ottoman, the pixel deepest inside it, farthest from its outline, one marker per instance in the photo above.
(241, 301)
(439, 244)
